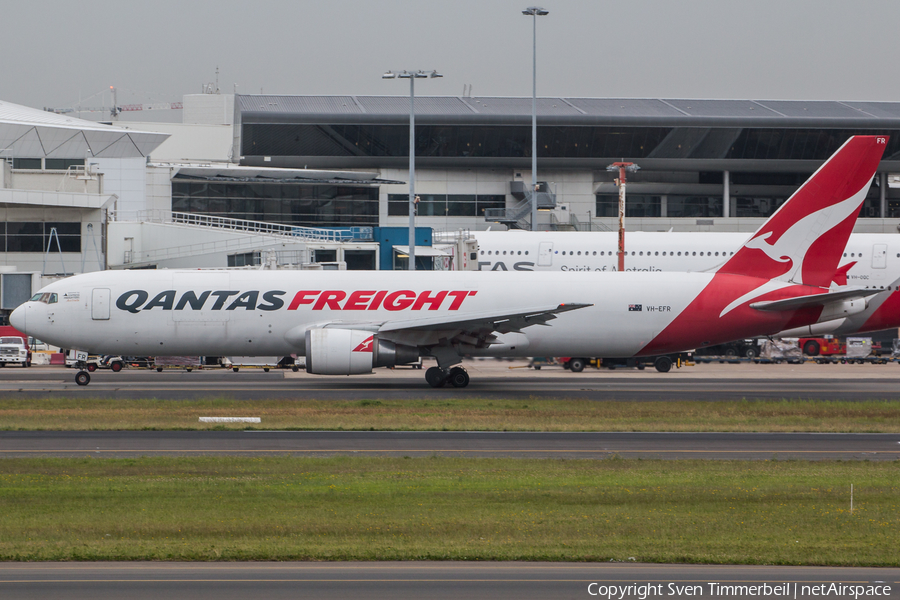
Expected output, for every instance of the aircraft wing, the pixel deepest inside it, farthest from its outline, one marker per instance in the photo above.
(478, 329)
(815, 299)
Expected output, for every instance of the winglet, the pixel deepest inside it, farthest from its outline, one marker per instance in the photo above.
(805, 238)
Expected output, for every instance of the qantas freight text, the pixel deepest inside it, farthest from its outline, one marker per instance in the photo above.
(136, 301)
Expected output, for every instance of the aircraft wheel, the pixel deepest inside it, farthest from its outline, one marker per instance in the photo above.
(265, 369)
(435, 377)
(576, 365)
(295, 368)
(458, 377)
(92, 367)
(663, 364)
(189, 369)
(235, 369)
(159, 369)
(82, 378)
(115, 367)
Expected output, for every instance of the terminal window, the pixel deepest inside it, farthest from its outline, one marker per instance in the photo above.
(445, 205)
(636, 205)
(469, 141)
(284, 203)
(694, 206)
(37, 236)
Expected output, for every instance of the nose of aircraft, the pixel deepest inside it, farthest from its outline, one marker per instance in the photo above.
(17, 318)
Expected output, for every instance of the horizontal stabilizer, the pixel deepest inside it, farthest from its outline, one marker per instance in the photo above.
(815, 300)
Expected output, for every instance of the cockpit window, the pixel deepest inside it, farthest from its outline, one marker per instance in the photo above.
(46, 298)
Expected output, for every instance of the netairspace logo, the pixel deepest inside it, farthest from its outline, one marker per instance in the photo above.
(791, 590)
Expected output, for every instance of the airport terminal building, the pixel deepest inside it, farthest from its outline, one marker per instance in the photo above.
(705, 165)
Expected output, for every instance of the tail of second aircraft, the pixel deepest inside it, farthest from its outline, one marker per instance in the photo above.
(804, 240)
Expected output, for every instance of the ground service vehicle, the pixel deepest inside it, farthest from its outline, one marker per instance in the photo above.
(822, 346)
(111, 362)
(14, 351)
(347, 323)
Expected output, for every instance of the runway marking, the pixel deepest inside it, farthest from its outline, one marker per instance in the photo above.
(532, 450)
(355, 580)
(406, 565)
(557, 392)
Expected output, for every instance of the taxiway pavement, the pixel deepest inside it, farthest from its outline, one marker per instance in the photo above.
(437, 581)
(489, 379)
(710, 446)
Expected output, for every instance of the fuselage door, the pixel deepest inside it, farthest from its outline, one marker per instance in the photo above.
(545, 254)
(879, 256)
(100, 304)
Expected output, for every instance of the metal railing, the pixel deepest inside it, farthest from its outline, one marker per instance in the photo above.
(557, 225)
(576, 224)
(520, 214)
(255, 234)
(231, 245)
(450, 236)
(512, 215)
(318, 234)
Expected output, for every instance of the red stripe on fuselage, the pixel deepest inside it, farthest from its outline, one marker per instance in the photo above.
(886, 316)
(700, 325)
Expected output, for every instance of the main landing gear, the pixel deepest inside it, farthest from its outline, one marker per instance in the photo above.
(437, 377)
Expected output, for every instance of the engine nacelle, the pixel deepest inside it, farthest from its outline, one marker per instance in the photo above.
(352, 352)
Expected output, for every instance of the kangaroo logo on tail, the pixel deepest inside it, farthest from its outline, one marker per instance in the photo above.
(792, 243)
(805, 238)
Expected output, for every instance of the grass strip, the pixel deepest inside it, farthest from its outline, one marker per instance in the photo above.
(347, 508)
(469, 414)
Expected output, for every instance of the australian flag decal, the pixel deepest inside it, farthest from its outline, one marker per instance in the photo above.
(635, 307)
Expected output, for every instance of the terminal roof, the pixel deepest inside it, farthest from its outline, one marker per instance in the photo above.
(632, 111)
(30, 132)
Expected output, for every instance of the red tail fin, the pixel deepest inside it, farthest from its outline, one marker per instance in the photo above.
(805, 238)
(840, 276)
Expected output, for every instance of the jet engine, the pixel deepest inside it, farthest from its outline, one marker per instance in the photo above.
(352, 352)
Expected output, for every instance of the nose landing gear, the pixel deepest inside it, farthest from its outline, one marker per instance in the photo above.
(82, 377)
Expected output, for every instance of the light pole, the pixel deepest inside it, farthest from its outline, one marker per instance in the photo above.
(622, 168)
(535, 12)
(412, 76)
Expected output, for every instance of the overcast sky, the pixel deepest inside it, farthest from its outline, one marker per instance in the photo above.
(55, 52)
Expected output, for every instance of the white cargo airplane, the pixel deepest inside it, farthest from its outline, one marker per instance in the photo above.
(347, 322)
